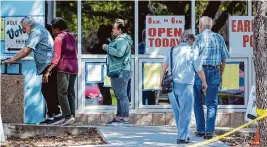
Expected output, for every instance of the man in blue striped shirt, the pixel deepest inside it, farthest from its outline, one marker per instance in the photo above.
(214, 52)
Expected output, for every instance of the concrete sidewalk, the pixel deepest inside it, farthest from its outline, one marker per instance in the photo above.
(150, 136)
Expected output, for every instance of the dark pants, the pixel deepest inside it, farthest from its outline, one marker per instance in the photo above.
(66, 93)
(119, 85)
(105, 91)
(49, 91)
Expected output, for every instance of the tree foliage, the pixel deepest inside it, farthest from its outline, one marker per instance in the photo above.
(96, 13)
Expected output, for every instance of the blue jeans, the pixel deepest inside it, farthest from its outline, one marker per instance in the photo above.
(182, 104)
(119, 85)
(213, 82)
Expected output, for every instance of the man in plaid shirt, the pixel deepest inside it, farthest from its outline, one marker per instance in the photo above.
(214, 52)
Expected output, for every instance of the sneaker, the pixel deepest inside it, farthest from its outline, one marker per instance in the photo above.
(208, 135)
(199, 134)
(46, 121)
(125, 123)
(179, 141)
(68, 121)
(58, 121)
(114, 122)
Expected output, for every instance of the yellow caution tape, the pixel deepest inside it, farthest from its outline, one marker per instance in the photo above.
(260, 111)
(264, 115)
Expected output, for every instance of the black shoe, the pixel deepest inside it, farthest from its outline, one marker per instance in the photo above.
(55, 120)
(208, 136)
(114, 122)
(47, 121)
(179, 141)
(199, 134)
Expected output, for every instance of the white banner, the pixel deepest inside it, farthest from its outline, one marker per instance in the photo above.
(163, 32)
(251, 108)
(241, 35)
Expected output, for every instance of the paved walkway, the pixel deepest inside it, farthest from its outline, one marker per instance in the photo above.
(152, 136)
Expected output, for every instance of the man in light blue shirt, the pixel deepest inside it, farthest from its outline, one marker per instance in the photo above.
(186, 63)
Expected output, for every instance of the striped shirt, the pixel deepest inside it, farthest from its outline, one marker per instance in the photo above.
(211, 47)
(41, 42)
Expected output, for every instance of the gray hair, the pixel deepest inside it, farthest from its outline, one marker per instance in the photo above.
(28, 21)
(188, 36)
(205, 21)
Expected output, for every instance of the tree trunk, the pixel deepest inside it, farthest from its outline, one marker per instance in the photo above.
(212, 9)
(260, 64)
(224, 16)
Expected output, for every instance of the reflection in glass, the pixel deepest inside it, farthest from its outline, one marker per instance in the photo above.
(220, 11)
(151, 94)
(98, 90)
(154, 8)
(97, 20)
(233, 90)
(68, 11)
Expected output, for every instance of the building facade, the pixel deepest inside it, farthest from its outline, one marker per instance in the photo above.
(91, 22)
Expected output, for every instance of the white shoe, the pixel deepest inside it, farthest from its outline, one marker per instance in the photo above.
(69, 121)
(59, 122)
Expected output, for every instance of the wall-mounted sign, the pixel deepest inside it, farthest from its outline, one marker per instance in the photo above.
(163, 32)
(14, 36)
(2, 29)
(241, 35)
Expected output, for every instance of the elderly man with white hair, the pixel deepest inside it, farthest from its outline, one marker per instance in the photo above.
(214, 52)
(41, 43)
(185, 63)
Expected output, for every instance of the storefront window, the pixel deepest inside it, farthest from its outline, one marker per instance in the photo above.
(97, 22)
(220, 11)
(68, 11)
(179, 10)
(233, 90)
(253, 8)
(151, 94)
(98, 89)
(164, 21)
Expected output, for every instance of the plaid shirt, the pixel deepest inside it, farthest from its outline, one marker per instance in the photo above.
(211, 47)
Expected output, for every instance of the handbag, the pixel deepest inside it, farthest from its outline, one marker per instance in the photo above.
(167, 82)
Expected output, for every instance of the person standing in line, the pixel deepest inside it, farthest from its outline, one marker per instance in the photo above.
(119, 69)
(65, 58)
(185, 63)
(214, 53)
(41, 43)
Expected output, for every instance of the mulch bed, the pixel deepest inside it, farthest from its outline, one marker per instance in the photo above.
(238, 139)
(91, 137)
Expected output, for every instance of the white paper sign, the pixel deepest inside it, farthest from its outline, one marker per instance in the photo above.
(93, 73)
(241, 35)
(162, 33)
(14, 36)
(251, 108)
